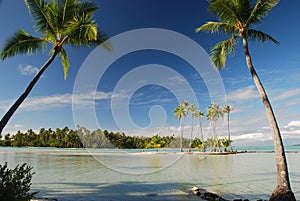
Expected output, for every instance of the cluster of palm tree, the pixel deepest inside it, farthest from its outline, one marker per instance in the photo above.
(214, 113)
(71, 22)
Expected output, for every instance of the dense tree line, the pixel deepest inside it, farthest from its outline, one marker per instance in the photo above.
(83, 137)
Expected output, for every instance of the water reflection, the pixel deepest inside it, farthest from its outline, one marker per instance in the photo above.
(251, 176)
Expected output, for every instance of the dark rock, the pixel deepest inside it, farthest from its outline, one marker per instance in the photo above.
(211, 196)
(197, 193)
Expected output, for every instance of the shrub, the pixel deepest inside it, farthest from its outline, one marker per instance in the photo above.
(15, 183)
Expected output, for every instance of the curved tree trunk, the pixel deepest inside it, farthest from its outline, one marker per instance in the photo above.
(21, 99)
(283, 189)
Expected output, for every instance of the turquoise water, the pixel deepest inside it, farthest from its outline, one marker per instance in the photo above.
(79, 174)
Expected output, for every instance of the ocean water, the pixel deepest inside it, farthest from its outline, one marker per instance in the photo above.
(80, 174)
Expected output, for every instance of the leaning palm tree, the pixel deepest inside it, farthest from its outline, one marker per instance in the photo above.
(214, 112)
(180, 112)
(66, 22)
(239, 19)
(227, 109)
(192, 109)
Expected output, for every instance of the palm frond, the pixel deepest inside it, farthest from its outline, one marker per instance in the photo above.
(103, 40)
(243, 9)
(81, 31)
(260, 10)
(220, 50)
(66, 12)
(261, 36)
(21, 43)
(224, 10)
(86, 7)
(65, 62)
(214, 27)
(37, 10)
(51, 12)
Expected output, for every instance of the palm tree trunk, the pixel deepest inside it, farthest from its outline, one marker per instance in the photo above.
(283, 189)
(21, 99)
(181, 135)
(228, 127)
(190, 148)
(201, 135)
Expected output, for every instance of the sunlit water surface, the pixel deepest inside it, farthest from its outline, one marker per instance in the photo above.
(79, 174)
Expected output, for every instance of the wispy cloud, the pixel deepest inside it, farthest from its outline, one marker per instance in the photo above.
(28, 70)
(58, 101)
(243, 94)
(252, 137)
(287, 94)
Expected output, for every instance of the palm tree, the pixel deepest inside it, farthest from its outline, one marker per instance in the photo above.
(66, 22)
(227, 109)
(239, 19)
(209, 143)
(180, 112)
(155, 142)
(225, 143)
(213, 114)
(192, 109)
(199, 115)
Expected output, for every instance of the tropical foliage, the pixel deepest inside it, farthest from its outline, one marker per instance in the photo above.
(213, 114)
(15, 183)
(62, 23)
(180, 112)
(239, 19)
(227, 110)
(83, 137)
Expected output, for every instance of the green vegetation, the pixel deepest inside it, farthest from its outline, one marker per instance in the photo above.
(180, 112)
(214, 113)
(83, 137)
(60, 23)
(239, 19)
(15, 183)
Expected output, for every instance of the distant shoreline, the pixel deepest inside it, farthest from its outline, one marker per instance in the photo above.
(91, 151)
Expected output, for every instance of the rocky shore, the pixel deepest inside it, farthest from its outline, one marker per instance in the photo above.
(205, 195)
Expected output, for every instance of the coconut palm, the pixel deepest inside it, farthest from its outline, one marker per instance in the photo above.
(199, 115)
(66, 22)
(227, 109)
(192, 109)
(238, 19)
(155, 142)
(225, 143)
(209, 143)
(214, 112)
(180, 112)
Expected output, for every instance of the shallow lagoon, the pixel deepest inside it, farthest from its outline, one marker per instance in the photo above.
(80, 174)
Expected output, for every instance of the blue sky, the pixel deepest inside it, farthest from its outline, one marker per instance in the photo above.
(146, 85)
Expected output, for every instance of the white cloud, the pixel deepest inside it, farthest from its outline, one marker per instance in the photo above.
(28, 70)
(252, 137)
(58, 101)
(18, 125)
(293, 124)
(287, 94)
(243, 94)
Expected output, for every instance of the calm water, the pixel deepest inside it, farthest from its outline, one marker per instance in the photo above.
(73, 174)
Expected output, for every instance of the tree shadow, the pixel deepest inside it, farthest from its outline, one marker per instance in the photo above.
(125, 191)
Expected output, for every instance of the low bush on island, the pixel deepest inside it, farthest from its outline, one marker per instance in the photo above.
(15, 183)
